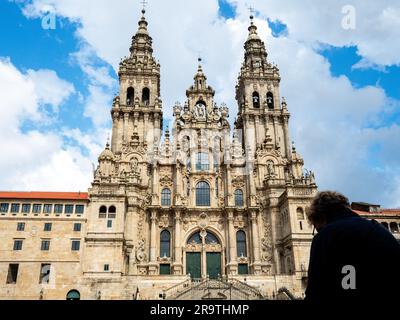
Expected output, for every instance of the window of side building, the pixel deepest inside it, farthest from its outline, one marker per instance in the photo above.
(37, 208)
(47, 208)
(79, 209)
(45, 245)
(58, 208)
(48, 226)
(4, 207)
(26, 208)
(15, 207)
(21, 226)
(76, 244)
(18, 244)
(77, 227)
(69, 209)
(45, 273)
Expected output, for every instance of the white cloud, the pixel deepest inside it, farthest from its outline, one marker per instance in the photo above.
(329, 115)
(35, 160)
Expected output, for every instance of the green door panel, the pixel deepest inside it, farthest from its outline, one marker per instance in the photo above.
(213, 264)
(193, 264)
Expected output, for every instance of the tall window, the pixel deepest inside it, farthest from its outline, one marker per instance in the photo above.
(270, 100)
(241, 244)
(21, 226)
(112, 212)
(47, 226)
(238, 198)
(202, 163)
(256, 100)
(103, 212)
(12, 273)
(45, 273)
(165, 244)
(203, 194)
(130, 96)
(166, 197)
(146, 96)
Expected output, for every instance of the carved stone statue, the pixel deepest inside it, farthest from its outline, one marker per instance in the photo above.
(140, 251)
(200, 110)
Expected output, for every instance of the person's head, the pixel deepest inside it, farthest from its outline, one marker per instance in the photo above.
(325, 206)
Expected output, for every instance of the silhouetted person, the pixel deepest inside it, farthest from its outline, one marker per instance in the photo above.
(351, 258)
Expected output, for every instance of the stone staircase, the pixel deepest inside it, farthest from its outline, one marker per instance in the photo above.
(212, 289)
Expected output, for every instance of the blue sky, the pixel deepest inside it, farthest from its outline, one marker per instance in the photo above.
(30, 47)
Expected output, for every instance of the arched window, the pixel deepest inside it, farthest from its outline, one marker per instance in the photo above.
(394, 227)
(73, 295)
(112, 211)
(146, 96)
(238, 198)
(385, 225)
(211, 238)
(194, 239)
(166, 197)
(130, 96)
(300, 213)
(202, 163)
(203, 194)
(270, 100)
(241, 244)
(103, 212)
(165, 244)
(256, 100)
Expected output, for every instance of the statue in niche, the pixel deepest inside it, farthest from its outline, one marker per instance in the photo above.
(271, 169)
(134, 165)
(200, 110)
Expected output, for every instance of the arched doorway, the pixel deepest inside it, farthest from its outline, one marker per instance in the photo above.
(73, 295)
(203, 255)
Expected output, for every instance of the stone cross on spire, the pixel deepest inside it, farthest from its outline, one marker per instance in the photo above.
(144, 4)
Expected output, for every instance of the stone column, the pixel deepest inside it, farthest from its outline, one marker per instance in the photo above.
(275, 121)
(114, 139)
(126, 126)
(178, 266)
(286, 134)
(146, 129)
(153, 267)
(153, 246)
(232, 268)
(256, 243)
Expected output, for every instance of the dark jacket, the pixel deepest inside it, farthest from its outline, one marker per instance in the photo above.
(349, 239)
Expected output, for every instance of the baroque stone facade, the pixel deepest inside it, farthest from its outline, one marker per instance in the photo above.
(204, 203)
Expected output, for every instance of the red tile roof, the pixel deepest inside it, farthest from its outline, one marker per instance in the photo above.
(44, 195)
(382, 211)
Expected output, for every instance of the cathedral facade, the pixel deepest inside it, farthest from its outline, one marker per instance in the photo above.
(210, 200)
(170, 218)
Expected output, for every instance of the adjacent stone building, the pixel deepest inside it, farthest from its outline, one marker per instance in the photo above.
(209, 204)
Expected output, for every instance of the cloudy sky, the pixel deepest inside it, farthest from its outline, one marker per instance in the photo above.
(339, 62)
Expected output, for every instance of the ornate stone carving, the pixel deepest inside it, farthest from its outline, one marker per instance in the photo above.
(141, 255)
(166, 181)
(164, 221)
(238, 182)
(266, 241)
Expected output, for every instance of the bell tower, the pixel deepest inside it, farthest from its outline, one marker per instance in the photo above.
(138, 108)
(258, 96)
